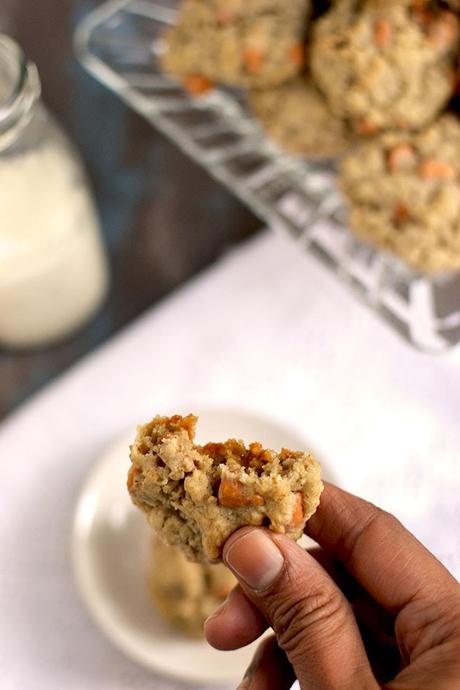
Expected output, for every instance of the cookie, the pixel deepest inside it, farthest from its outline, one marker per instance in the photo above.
(404, 194)
(184, 593)
(195, 497)
(298, 119)
(385, 64)
(255, 44)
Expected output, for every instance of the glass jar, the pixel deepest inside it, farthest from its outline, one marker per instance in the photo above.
(53, 269)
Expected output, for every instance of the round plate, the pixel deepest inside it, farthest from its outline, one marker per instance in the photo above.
(110, 546)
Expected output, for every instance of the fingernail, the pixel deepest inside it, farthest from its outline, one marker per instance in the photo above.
(255, 559)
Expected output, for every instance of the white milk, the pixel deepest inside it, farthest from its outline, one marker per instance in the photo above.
(53, 272)
(52, 267)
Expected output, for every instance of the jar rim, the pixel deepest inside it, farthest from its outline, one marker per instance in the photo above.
(25, 83)
(11, 51)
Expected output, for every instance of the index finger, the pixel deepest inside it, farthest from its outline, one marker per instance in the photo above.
(384, 557)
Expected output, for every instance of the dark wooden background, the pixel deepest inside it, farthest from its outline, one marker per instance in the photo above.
(163, 218)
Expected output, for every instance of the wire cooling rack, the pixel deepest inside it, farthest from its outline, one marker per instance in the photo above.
(120, 43)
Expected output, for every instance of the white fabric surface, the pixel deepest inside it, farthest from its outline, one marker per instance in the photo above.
(267, 329)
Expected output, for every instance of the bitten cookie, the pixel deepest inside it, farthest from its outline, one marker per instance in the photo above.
(256, 44)
(196, 496)
(297, 117)
(385, 64)
(403, 191)
(186, 593)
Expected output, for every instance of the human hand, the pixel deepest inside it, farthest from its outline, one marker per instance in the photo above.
(372, 606)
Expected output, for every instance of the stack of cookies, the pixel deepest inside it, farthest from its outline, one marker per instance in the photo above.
(371, 82)
(186, 594)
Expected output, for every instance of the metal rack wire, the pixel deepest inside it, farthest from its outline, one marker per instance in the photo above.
(120, 42)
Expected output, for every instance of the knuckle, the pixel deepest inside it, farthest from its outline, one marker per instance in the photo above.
(423, 625)
(365, 525)
(296, 620)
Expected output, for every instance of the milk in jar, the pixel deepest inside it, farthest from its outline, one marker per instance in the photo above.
(53, 269)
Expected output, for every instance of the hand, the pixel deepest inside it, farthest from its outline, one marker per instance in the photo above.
(372, 609)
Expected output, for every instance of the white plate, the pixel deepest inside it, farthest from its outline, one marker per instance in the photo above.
(111, 548)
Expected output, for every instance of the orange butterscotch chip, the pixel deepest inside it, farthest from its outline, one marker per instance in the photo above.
(297, 514)
(297, 55)
(401, 214)
(187, 423)
(233, 494)
(433, 169)
(382, 33)
(197, 84)
(216, 450)
(401, 156)
(365, 127)
(253, 59)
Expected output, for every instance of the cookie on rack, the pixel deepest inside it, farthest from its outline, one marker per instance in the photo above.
(403, 192)
(185, 593)
(297, 117)
(385, 64)
(195, 497)
(258, 43)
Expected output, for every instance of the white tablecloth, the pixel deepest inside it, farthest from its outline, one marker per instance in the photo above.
(268, 329)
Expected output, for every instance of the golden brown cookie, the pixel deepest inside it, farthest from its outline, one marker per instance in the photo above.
(258, 43)
(195, 497)
(385, 64)
(403, 191)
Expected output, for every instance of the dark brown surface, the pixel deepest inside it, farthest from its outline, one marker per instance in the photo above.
(164, 219)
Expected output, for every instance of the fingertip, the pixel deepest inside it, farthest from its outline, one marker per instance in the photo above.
(235, 624)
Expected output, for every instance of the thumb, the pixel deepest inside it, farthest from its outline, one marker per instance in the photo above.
(312, 619)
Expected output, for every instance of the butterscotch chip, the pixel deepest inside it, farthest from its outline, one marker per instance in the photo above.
(364, 127)
(382, 32)
(401, 156)
(185, 593)
(403, 192)
(197, 85)
(253, 59)
(256, 43)
(435, 169)
(385, 64)
(195, 497)
(234, 494)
